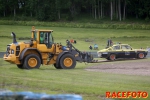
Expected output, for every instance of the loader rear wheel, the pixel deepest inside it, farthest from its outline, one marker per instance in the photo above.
(32, 61)
(59, 67)
(20, 66)
(67, 61)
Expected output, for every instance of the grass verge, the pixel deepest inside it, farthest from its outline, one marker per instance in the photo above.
(90, 85)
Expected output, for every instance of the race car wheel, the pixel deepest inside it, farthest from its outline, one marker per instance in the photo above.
(141, 55)
(112, 57)
(67, 61)
(32, 61)
(108, 58)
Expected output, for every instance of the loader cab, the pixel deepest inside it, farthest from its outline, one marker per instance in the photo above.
(43, 39)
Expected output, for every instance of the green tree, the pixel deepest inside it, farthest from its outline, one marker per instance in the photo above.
(14, 6)
(3, 7)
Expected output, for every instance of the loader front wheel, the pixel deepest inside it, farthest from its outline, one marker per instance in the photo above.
(32, 61)
(67, 61)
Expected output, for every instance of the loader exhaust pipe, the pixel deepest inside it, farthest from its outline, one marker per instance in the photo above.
(14, 37)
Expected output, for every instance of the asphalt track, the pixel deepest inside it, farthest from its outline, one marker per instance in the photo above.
(93, 53)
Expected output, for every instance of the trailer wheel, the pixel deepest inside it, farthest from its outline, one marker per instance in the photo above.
(32, 61)
(141, 55)
(20, 66)
(67, 61)
(112, 57)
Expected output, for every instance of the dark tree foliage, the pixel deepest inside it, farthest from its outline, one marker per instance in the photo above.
(53, 10)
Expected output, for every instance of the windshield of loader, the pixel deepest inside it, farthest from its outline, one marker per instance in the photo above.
(42, 37)
(51, 39)
(46, 38)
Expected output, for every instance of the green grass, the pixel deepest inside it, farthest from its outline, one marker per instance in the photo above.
(99, 24)
(90, 85)
(136, 38)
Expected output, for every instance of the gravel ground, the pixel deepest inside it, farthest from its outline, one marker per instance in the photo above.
(123, 66)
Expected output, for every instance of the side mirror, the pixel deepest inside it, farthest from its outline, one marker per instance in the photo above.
(31, 42)
(31, 39)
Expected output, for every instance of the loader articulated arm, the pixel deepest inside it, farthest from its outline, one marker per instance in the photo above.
(70, 46)
(83, 56)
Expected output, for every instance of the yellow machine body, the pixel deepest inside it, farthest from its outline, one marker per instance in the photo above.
(41, 49)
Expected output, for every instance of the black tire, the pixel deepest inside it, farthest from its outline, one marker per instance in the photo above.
(141, 55)
(31, 61)
(59, 67)
(20, 66)
(108, 58)
(67, 61)
(112, 57)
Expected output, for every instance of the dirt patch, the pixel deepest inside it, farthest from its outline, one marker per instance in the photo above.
(128, 67)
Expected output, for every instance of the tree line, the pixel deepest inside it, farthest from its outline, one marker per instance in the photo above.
(53, 10)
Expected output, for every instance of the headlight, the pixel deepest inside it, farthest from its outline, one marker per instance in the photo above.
(12, 51)
(8, 48)
(99, 54)
(105, 53)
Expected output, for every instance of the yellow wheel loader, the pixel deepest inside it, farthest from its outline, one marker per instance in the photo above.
(41, 49)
